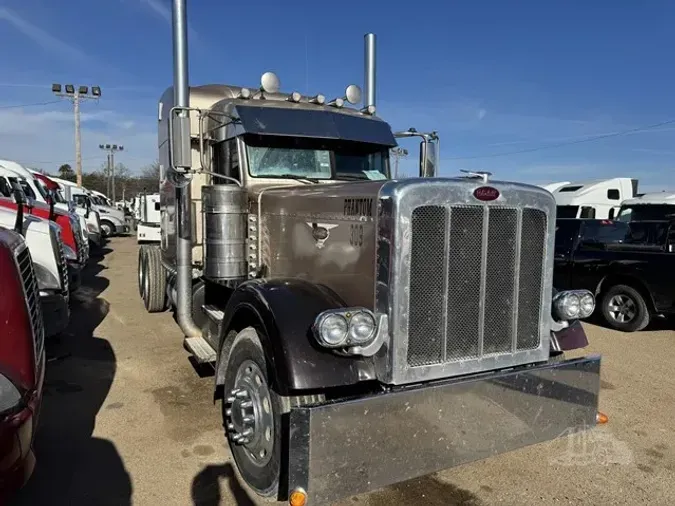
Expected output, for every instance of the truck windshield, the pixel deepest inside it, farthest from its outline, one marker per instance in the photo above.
(24, 186)
(646, 212)
(276, 157)
(567, 211)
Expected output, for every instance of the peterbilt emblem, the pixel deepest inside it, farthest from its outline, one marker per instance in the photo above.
(321, 232)
(486, 193)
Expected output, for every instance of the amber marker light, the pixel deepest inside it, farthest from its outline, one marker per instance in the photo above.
(601, 418)
(298, 497)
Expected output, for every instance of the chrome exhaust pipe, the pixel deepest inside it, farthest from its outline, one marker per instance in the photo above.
(370, 81)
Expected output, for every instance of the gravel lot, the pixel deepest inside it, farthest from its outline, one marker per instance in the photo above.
(126, 419)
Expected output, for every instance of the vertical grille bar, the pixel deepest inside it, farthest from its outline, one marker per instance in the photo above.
(464, 282)
(533, 247)
(427, 259)
(516, 282)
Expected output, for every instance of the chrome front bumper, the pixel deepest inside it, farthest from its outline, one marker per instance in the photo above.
(351, 447)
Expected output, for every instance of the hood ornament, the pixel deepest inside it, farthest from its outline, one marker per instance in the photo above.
(478, 174)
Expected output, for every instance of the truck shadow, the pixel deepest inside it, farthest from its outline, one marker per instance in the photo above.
(74, 467)
(206, 486)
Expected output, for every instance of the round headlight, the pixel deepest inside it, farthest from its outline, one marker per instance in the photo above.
(567, 305)
(333, 329)
(587, 305)
(361, 327)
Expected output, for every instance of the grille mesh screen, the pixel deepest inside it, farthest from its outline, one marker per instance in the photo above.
(464, 261)
(463, 282)
(427, 258)
(529, 293)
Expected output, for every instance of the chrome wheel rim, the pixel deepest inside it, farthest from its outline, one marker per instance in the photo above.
(248, 414)
(622, 308)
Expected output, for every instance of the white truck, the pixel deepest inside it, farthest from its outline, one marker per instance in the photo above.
(147, 214)
(43, 238)
(35, 189)
(648, 207)
(112, 220)
(597, 199)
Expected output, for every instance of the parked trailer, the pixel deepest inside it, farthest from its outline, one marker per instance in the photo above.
(363, 330)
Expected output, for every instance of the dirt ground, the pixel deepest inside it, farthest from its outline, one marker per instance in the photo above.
(126, 419)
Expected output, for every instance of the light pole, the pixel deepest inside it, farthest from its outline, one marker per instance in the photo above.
(111, 149)
(398, 154)
(77, 93)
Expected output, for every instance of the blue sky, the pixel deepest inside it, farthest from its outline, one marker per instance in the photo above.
(491, 77)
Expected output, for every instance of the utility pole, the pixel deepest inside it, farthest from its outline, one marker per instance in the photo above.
(76, 94)
(398, 154)
(111, 149)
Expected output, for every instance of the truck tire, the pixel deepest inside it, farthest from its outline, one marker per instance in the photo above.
(107, 228)
(141, 269)
(155, 281)
(252, 414)
(624, 308)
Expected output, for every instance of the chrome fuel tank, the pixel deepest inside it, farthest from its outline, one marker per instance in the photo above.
(224, 214)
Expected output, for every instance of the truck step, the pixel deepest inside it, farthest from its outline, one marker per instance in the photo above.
(214, 314)
(201, 350)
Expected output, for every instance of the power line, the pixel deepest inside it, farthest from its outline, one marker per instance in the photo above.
(18, 106)
(568, 143)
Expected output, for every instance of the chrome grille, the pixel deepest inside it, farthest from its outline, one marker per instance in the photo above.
(79, 243)
(30, 287)
(59, 255)
(476, 278)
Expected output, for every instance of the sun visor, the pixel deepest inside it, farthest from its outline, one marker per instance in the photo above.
(320, 124)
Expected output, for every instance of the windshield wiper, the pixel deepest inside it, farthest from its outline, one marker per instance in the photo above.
(294, 176)
(352, 177)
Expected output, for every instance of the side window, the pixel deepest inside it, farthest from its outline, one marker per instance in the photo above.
(226, 160)
(232, 159)
(611, 213)
(613, 194)
(156, 206)
(587, 212)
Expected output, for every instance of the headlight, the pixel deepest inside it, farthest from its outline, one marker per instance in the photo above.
(45, 279)
(332, 330)
(69, 253)
(344, 328)
(573, 304)
(362, 327)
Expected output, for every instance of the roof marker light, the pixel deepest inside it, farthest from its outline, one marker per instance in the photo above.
(338, 102)
(294, 97)
(244, 93)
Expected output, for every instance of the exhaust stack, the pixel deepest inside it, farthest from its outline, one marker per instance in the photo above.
(370, 81)
(181, 98)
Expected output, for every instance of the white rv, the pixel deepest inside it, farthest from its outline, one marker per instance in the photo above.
(647, 207)
(599, 199)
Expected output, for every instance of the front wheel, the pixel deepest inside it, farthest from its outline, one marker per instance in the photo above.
(624, 308)
(107, 228)
(252, 414)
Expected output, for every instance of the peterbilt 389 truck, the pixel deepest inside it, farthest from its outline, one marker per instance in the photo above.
(363, 330)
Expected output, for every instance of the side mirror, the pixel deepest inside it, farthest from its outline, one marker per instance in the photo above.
(20, 200)
(428, 158)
